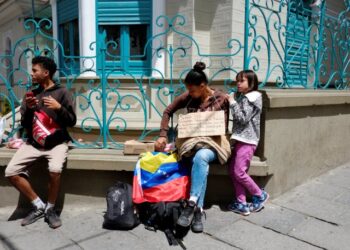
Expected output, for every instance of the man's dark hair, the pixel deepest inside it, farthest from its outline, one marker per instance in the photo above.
(47, 63)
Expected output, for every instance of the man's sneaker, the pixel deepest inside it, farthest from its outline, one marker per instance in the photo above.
(52, 218)
(239, 208)
(33, 216)
(186, 216)
(258, 202)
(197, 224)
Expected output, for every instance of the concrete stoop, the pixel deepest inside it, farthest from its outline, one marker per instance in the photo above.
(89, 173)
(115, 160)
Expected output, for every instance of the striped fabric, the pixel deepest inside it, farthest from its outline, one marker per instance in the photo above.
(159, 177)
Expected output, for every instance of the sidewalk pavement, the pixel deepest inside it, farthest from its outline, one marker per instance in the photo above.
(315, 215)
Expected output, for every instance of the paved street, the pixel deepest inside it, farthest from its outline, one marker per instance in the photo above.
(315, 215)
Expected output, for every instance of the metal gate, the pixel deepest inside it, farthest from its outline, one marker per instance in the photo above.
(288, 43)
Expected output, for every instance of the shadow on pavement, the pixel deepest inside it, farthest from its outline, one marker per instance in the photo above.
(6, 243)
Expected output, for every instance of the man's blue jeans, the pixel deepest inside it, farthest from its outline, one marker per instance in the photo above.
(199, 174)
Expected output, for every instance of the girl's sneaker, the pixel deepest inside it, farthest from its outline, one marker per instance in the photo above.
(258, 202)
(239, 208)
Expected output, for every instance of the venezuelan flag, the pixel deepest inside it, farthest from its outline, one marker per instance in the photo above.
(159, 177)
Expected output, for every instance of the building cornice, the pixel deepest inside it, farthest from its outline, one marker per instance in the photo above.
(9, 10)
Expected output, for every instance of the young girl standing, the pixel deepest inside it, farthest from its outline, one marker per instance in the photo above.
(246, 108)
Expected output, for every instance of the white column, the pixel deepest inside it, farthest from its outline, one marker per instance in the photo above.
(158, 63)
(55, 30)
(87, 33)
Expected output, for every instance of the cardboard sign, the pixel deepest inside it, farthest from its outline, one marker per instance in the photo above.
(134, 147)
(208, 123)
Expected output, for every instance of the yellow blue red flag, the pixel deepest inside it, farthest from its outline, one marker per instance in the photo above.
(159, 177)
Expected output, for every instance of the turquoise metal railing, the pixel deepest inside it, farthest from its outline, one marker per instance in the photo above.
(286, 42)
(304, 46)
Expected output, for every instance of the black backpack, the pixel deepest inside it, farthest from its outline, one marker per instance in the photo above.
(163, 216)
(120, 212)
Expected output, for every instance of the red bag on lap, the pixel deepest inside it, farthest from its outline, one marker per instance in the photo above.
(43, 126)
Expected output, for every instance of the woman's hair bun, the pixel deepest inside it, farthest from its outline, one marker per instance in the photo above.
(199, 66)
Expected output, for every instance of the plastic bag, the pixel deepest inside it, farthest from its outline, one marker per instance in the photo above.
(14, 143)
(2, 128)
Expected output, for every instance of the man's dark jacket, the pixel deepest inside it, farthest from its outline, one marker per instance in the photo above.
(64, 117)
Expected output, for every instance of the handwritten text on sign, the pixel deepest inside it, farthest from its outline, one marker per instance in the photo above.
(209, 123)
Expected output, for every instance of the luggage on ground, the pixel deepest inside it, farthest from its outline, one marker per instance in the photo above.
(120, 212)
(163, 216)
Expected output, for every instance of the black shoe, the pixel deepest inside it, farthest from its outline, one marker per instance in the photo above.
(33, 216)
(197, 224)
(186, 216)
(52, 218)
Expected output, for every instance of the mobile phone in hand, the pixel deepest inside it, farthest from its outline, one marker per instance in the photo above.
(32, 102)
(29, 94)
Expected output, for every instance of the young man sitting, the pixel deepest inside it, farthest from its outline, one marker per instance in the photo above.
(46, 112)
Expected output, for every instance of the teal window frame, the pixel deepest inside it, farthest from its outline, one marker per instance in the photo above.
(69, 19)
(73, 47)
(125, 63)
(122, 17)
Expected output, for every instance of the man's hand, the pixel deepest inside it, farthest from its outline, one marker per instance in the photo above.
(51, 103)
(160, 144)
(31, 102)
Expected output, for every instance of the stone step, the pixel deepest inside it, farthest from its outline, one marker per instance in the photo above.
(115, 160)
